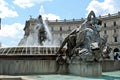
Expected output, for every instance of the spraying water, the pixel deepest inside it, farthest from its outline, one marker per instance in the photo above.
(37, 33)
(49, 35)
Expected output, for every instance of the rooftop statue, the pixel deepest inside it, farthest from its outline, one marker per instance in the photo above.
(35, 33)
(84, 43)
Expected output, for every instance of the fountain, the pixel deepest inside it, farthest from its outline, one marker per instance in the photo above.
(36, 33)
(85, 48)
(33, 54)
(83, 55)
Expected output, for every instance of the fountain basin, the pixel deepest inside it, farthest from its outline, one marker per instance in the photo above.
(28, 60)
(85, 68)
(42, 60)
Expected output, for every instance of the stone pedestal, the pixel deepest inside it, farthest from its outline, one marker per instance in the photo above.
(85, 68)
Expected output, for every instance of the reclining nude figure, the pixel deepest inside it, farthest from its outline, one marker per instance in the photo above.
(84, 43)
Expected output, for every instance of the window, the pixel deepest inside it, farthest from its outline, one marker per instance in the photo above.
(105, 32)
(77, 26)
(69, 28)
(104, 24)
(114, 23)
(52, 28)
(32, 24)
(115, 31)
(60, 38)
(60, 28)
(60, 34)
(115, 39)
(60, 41)
(116, 53)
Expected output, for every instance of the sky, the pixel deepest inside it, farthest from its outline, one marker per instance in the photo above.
(14, 13)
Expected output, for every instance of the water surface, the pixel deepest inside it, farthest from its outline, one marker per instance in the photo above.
(115, 75)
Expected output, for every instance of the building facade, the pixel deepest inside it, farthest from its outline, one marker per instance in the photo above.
(110, 29)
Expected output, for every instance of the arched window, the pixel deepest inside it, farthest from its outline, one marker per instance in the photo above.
(116, 50)
(116, 54)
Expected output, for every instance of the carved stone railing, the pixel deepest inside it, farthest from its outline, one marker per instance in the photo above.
(38, 50)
